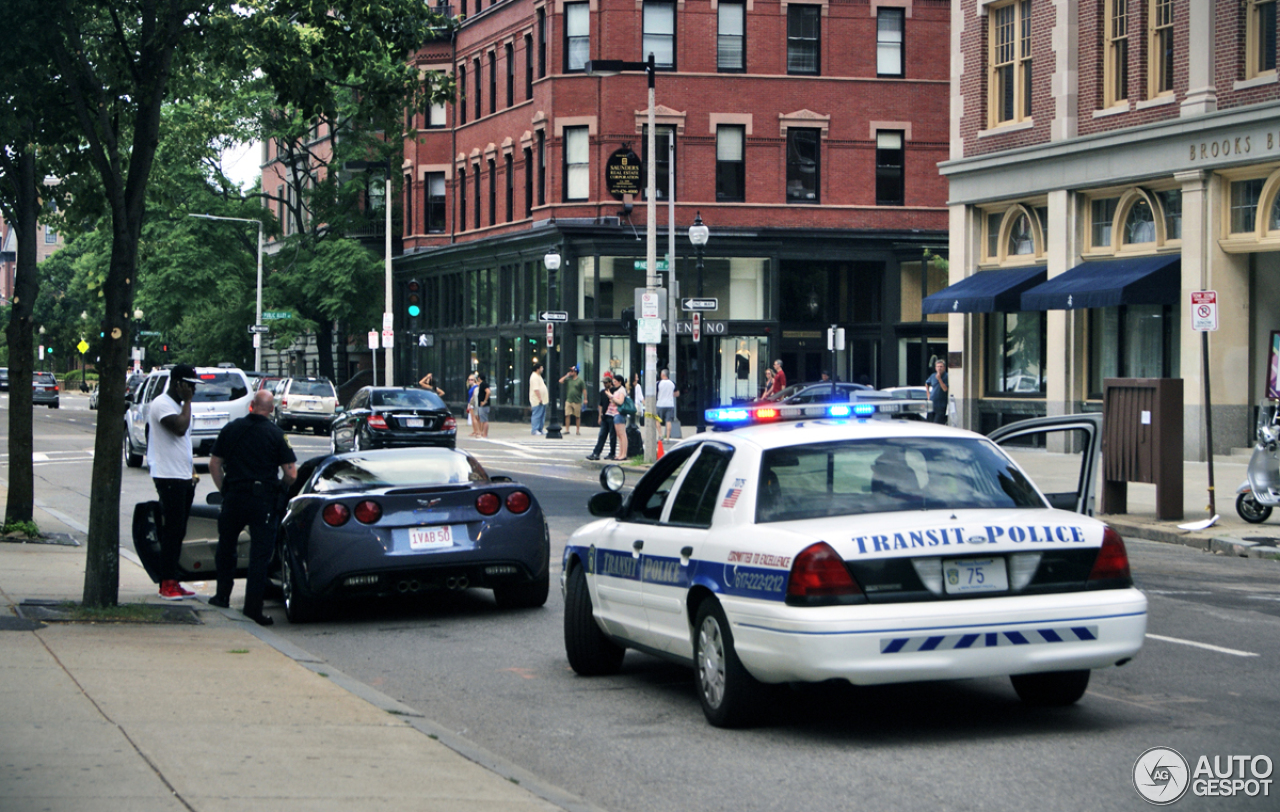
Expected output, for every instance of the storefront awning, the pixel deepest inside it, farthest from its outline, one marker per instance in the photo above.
(1110, 283)
(986, 292)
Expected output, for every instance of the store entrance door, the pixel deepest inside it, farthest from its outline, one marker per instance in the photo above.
(804, 366)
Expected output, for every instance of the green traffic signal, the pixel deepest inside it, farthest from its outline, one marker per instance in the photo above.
(414, 310)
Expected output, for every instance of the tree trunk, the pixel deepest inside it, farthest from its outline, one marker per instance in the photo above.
(19, 506)
(324, 347)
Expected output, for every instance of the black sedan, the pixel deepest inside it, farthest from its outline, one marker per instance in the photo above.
(820, 392)
(397, 522)
(393, 417)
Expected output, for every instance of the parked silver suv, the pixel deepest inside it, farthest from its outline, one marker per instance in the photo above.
(302, 402)
(221, 396)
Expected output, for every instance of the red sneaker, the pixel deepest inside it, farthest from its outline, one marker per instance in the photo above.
(170, 591)
(183, 591)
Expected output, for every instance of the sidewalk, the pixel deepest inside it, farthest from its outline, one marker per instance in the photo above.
(216, 716)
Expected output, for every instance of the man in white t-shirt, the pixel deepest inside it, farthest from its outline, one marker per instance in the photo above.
(538, 396)
(169, 458)
(667, 395)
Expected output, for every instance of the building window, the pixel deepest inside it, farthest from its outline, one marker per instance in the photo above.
(462, 95)
(577, 177)
(408, 206)
(662, 164)
(475, 170)
(1260, 36)
(493, 81)
(660, 33)
(542, 167)
(511, 187)
(889, 180)
(493, 192)
(1102, 213)
(1161, 48)
(1140, 224)
(889, 27)
(510, 53)
(577, 36)
(433, 210)
(1171, 206)
(435, 114)
(462, 200)
(1132, 341)
(1245, 195)
(803, 30)
(528, 181)
(730, 167)
(803, 168)
(1016, 353)
(50, 236)
(542, 43)
(475, 65)
(528, 67)
(731, 54)
(1022, 238)
(1116, 67)
(1010, 79)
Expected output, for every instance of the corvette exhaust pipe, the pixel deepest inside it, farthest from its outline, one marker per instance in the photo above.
(457, 583)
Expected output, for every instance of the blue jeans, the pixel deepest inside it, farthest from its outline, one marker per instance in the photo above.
(539, 417)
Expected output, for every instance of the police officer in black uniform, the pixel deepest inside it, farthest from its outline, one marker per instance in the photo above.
(243, 465)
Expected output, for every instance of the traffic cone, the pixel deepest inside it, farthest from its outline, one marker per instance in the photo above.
(660, 451)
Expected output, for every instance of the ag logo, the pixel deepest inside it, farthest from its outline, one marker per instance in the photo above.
(1161, 775)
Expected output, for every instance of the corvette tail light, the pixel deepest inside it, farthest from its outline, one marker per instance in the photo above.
(820, 578)
(377, 421)
(450, 424)
(1111, 567)
(368, 512)
(488, 504)
(518, 502)
(335, 514)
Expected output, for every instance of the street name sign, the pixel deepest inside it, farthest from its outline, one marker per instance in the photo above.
(272, 315)
(642, 265)
(1204, 310)
(553, 315)
(699, 304)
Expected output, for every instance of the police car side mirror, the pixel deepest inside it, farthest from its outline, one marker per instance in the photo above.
(612, 478)
(605, 504)
(214, 498)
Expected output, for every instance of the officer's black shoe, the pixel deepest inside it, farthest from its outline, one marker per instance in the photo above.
(221, 603)
(593, 456)
(261, 620)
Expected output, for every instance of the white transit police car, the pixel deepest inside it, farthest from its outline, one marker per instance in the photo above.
(820, 542)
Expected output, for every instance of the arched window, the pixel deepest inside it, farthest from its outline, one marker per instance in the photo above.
(1140, 224)
(1021, 238)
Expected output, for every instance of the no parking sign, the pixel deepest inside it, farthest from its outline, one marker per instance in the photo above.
(1204, 310)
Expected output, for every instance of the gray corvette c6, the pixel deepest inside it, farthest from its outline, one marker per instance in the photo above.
(390, 522)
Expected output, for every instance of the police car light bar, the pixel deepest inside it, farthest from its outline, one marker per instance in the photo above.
(768, 413)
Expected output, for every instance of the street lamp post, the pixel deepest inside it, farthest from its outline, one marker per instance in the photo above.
(698, 235)
(552, 261)
(257, 320)
(610, 67)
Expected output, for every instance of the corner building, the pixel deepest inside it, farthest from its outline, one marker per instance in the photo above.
(1108, 159)
(806, 134)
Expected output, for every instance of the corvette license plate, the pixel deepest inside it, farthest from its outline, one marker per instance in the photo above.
(413, 422)
(970, 575)
(426, 538)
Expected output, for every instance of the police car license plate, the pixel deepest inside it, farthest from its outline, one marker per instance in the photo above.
(970, 575)
(413, 422)
(426, 538)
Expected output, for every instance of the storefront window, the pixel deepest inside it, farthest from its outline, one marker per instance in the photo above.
(1132, 341)
(1171, 202)
(1103, 212)
(1021, 239)
(1140, 225)
(615, 356)
(508, 378)
(1244, 204)
(484, 357)
(742, 377)
(740, 283)
(1275, 215)
(586, 288)
(993, 234)
(585, 360)
(1016, 354)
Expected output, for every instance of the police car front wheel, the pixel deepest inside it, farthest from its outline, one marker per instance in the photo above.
(1055, 689)
(591, 652)
(730, 696)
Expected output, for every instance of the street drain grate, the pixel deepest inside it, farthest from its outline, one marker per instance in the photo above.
(1263, 541)
(9, 623)
(53, 611)
(61, 539)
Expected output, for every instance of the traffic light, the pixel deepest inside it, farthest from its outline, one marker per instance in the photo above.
(413, 298)
(628, 318)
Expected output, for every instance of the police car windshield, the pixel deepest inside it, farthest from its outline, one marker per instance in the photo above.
(430, 466)
(219, 387)
(887, 475)
(408, 399)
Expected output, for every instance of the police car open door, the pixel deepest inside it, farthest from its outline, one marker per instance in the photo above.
(1060, 454)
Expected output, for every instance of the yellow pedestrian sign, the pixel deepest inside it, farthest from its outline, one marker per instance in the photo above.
(83, 346)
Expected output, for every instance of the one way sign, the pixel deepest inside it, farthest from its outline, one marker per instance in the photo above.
(699, 304)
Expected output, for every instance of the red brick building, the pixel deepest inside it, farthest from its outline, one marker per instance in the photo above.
(1109, 159)
(807, 134)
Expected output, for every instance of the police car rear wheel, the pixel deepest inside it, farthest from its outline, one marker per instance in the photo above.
(1055, 689)
(730, 696)
(591, 652)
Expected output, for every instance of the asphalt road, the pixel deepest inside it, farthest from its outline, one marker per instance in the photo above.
(1205, 684)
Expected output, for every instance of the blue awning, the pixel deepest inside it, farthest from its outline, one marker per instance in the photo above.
(1110, 283)
(986, 292)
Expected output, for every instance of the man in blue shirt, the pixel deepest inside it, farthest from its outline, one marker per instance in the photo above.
(938, 391)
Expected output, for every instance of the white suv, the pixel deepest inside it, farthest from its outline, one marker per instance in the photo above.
(304, 402)
(221, 396)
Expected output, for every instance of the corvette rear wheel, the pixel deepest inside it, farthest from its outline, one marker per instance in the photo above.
(1055, 689)
(299, 605)
(529, 595)
(591, 652)
(730, 696)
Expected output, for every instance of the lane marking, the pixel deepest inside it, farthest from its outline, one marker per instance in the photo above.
(1206, 646)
